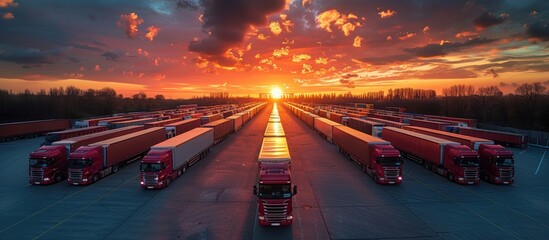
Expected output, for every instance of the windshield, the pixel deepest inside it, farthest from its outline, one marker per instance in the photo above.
(469, 162)
(151, 167)
(274, 191)
(389, 161)
(39, 162)
(79, 163)
(505, 162)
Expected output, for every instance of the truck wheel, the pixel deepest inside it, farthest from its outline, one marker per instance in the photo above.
(426, 165)
(115, 168)
(95, 177)
(58, 177)
(451, 177)
(487, 177)
(168, 181)
(184, 168)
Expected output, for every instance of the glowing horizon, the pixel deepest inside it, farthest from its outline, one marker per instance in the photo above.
(187, 48)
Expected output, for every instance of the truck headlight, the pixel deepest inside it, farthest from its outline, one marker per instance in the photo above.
(461, 179)
(156, 178)
(84, 180)
(289, 217)
(261, 218)
(46, 179)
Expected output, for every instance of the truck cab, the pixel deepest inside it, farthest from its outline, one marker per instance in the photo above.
(48, 165)
(461, 164)
(84, 165)
(496, 164)
(274, 194)
(387, 167)
(156, 169)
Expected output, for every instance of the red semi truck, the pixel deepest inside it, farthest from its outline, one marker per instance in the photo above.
(496, 163)
(450, 159)
(376, 156)
(69, 133)
(90, 163)
(274, 192)
(506, 138)
(169, 159)
(182, 126)
(48, 164)
(222, 128)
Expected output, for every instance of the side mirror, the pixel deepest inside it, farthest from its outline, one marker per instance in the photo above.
(255, 190)
(295, 190)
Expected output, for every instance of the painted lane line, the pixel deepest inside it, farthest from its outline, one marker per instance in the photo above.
(540, 162)
(522, 151)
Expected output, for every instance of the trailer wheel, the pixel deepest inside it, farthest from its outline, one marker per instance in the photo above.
(451, 177)
(95, 177)
(58, 177)
(115, 168)
(179, 172)
(426, 165)
(487, 177)
(184, 168)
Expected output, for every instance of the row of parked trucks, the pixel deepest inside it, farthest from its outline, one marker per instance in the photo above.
(462, 157)
(377, 157)
(85, 159)
(274, 187)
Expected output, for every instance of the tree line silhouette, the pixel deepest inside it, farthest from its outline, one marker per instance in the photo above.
(527, 108)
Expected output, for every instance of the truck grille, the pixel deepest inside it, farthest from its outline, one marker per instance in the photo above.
(470, 175)
(391, 174)
(75, 176)
(275, 213)
(149, 179)
(506, 175)
(37, 175)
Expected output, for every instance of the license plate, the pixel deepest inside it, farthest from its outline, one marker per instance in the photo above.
(36, 182)
(391, 182)
(150, 187)
(75, 184)
(275, 224)
(505, 182)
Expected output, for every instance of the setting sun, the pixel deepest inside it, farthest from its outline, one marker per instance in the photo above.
(276, 93)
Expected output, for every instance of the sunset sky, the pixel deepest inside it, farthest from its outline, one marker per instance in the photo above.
(190, 48)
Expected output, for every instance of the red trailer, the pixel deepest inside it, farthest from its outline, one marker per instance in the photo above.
(182, 126)
(430, 124)
(15, 130)
(366, 126)
(210, 118)
(222, 128)
(94, 121)
(468, 121)
(161, 123)
(69, 133)
(506, 138)
(336, 117)
(387, 122)
(450, 159)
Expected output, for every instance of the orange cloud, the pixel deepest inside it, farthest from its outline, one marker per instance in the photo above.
(387, 13)
(287, 23)
(278, 53)
(321, 60)
(325, 19)
(301, 57)
(153, 31)
(306, 2)
(307, 69)
(262, 37)
(407, 36)
(130, 23)
(275, 28)
(140, 51)
(348, 28)
(466, 34)
(159, 76)
(97, 68)
(389, 38)
(8, 16)
(426, 29)
(358, 41)
(8, 3)
(157, 61)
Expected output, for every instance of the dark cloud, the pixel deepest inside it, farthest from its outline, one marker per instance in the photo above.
(31, 55)
(502, 84)
(350, 75)
(387, 59)
(347, 83)
(538, 30)
(229, 21)
(487, 19)
(187, 4)
(86, 47)
(110, 56)
(432, 50)
(493, 73)
(514, 84)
